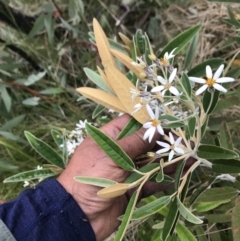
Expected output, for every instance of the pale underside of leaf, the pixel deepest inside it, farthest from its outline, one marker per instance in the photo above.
(127, 61)
(104, 77)
(114, 190)
(126, 40)
(103, 98)
(102, 44)
(121, 86)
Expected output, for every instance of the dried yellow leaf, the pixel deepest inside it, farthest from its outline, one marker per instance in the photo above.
(127, 61)
(102, 44)
(104, 77)
(126, 40)
(103, 98)
(121, 86)
(114, 190)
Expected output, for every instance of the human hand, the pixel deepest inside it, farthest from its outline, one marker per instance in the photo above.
(90, 160)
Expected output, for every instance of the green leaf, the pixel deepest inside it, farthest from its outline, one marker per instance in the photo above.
(12, 123)
(140, 41)
(43, 149)
(186, 84)
(5, 97)
(96, 181)
(210, 100)
(192, 126)
(135, 176)
(111, 148)
(33, 101)
(170, 221)
(30, 175)
(57, 137)
(38, 26)
(52, 91)
(236, 220)
(178, 174)
(226, 166)
(97, 79)
(184, 233)
(33, 78)
(160, 175)
(225, 137)
(49, 25)
(127, 217)
(200, 70)
(187, 214)
(207, 206)
(151, 208)
(98, 110)
(191, 52)
(204, 127)
(218, 194)
(215, 152)
(11, 136)
(131, 127)
(185, 188)
(195, 195)
(218, 218)
(6, 166)
(181, 40)
(226, 103)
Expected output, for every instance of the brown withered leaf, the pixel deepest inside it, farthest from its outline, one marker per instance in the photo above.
(103, 98)
(104, 77)
(126, 40)
(127, 61)
(121, 86)
(103, 45)
(114, 190)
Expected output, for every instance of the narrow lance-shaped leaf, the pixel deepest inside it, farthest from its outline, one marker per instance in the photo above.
(184, 234)
(171, 219)
(151, 208)
(98, 110)
(57, 136)
(97, 79)
(210, 100)
(178, 174)
(127, 217)
(187, 214)
(181, 40)
(215, 152)
(236, 220)
(131, 127)
(96, 181)
(186, 84)
(226, 166)
(103, 98)
(30, 175)
(192, 126)
(225, 136)
(111, 148)
(46, 151)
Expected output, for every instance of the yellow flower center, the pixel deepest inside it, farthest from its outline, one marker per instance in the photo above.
(155, 122)
(142, 75)
(164, 61)
(210, 82)
(167, 86)
(152, 57)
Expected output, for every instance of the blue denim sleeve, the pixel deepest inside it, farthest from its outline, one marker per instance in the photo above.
(46, 213)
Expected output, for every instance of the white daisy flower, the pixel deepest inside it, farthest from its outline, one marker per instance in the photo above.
(165, 60)
(81, 125)
(152, 125)
(173, 146)
(167, 84)
(212, 81)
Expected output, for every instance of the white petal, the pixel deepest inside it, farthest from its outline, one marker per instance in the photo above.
(174, 90)
(179, 150)
(171, 54)
(151, 133)
(209, 72)
(219, 87)
(156, 112)
(218, 72)
(198, 80)
(171, 138)
(150, 112)
(146, 134)
(158, 88)
(147, 125)
(179, 139)
(224, 80)
(172, 76)
(161, 80)
(160, 129)
(200, 90)
(171, 154)
(163, 93)
(163, 144)
(162, 150)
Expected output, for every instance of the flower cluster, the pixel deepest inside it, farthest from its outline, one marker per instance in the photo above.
(161, 91)
(74, 138)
